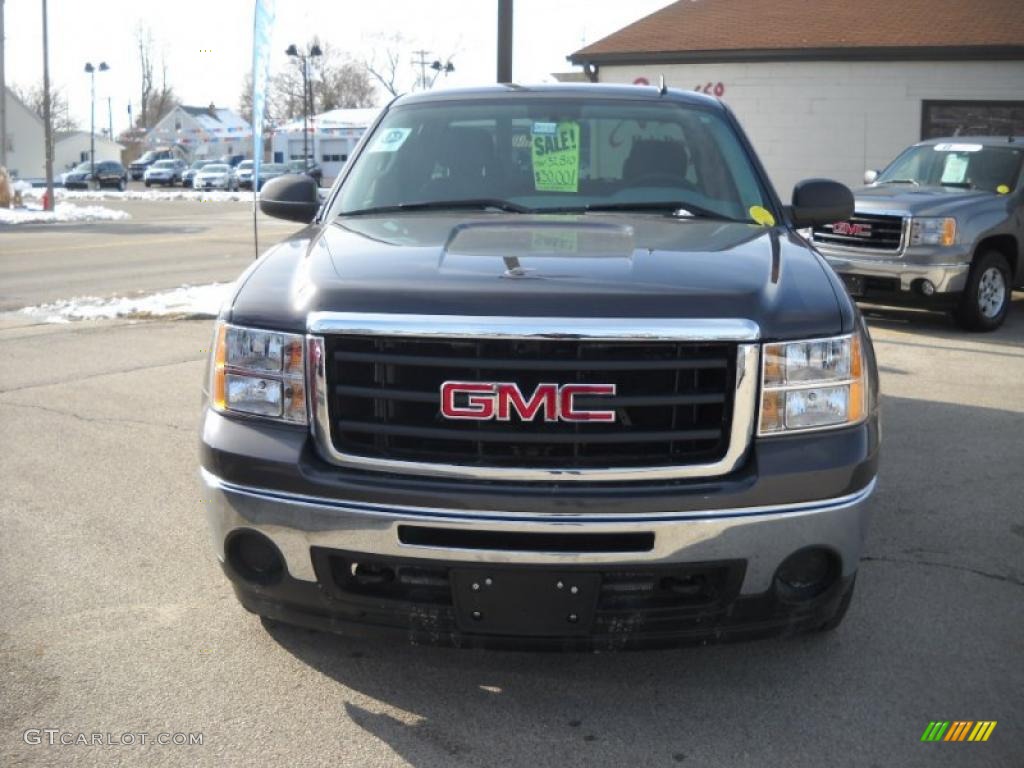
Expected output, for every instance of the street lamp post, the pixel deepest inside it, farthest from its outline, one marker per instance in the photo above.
(307, 94)
(91, 70)
(446, 68)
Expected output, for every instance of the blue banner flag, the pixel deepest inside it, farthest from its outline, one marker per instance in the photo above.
(262, 31)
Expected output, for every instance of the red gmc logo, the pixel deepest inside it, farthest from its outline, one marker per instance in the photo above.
(849, 228)
(479, 401)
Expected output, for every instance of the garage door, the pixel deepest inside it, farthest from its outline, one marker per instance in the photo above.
(972, 118)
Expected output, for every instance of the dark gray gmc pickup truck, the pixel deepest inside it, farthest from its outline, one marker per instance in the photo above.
(550, 367)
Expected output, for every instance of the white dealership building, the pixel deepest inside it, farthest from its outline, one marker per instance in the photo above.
(331, 137)
(831, 87)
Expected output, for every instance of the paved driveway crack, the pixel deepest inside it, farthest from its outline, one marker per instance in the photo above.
(951, 566)
(97, 420)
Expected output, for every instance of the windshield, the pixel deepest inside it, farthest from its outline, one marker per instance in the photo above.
(199, 164)
(164, 164)
(83, 167)
(215, 168)
(244, 165)
(540, 154)
(966, 165)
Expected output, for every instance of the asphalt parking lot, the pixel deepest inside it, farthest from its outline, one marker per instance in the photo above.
(115, 618)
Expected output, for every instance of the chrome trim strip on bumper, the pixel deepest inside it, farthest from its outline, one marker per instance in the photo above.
(763, 536)
(557, 518)
(947, 278)
(591, 328)
(450, 326)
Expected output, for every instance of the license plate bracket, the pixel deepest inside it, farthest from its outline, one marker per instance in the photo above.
(526, 602)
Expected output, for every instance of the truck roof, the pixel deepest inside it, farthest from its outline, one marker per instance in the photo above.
(986, 141)
(561, 91)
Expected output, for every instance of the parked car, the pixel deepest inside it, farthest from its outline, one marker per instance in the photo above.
(242, 174)
(484, 399)
(109, 173)
(190, 174)
(165, 172)
(232, 160)
(138, 167)
(310, 169)
(214, 176)
(942, 227)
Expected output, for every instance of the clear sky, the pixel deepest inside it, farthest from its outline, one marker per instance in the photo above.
(208, 43)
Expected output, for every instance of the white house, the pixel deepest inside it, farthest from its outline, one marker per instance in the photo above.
(202, 132)
(831, 87)
(332, 137)
(72, 147)
(25, 139)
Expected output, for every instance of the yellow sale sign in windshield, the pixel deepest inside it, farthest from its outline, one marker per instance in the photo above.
(556, 157)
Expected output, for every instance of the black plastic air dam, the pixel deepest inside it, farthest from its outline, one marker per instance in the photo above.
(512, 541)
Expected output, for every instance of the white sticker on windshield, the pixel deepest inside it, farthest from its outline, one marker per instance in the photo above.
(958, 147)
(955, 169)
(390, 140)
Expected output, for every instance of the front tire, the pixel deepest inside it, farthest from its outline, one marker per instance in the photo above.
(986, 297)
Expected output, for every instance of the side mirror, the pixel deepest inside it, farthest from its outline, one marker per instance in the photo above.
(870, 177)
(293, 197)
(820, 201)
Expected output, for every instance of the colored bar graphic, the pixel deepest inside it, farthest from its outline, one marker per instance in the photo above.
(958, 730)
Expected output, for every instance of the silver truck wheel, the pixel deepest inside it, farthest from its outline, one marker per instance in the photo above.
(986, 297)
(991, 292)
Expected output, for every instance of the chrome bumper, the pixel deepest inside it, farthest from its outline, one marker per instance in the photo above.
(763, 536)
(947, 278)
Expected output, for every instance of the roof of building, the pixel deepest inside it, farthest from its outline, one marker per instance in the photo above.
(62, 135)
(335, 119)
(17, 100)
(738, 30)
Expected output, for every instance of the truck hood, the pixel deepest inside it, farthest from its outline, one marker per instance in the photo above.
(917, 201)
(598, 265)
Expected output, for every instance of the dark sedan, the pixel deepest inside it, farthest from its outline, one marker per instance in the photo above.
(109, 173)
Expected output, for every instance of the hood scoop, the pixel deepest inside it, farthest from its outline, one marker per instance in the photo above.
(536, 248)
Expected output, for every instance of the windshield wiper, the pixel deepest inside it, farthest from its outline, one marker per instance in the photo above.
(901, 181)
(669, 206)
(482, 203)
(960, 184)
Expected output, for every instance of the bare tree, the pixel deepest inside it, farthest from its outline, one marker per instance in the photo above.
(34, 97)
(385, 63)
(154, 101)
(336, 82)
(395, 72)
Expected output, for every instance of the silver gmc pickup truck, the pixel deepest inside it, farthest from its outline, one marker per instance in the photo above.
(942, 227)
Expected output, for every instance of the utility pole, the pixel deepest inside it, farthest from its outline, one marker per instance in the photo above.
(504, 41)
(422, 62)
(110, 120)
(3, 91)
(46, 111)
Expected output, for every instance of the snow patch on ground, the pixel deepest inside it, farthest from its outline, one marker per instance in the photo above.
(207, 195)
(62, 212)
(188, 301)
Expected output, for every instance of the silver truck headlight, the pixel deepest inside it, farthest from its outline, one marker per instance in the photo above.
(933, 231)
(259, 373)
(815, 384)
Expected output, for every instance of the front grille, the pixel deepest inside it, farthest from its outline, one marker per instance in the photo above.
(673, 403)
(868, 231)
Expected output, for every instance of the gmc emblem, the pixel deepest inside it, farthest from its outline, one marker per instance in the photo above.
(849, 228)
(479, 401)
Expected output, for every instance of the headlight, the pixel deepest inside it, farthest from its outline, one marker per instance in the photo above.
(933, 231)
(259, 373)
(813, 384)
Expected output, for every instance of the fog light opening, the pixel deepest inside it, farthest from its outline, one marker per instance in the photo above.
(255, 558)
(806, 573)
(926, 287)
